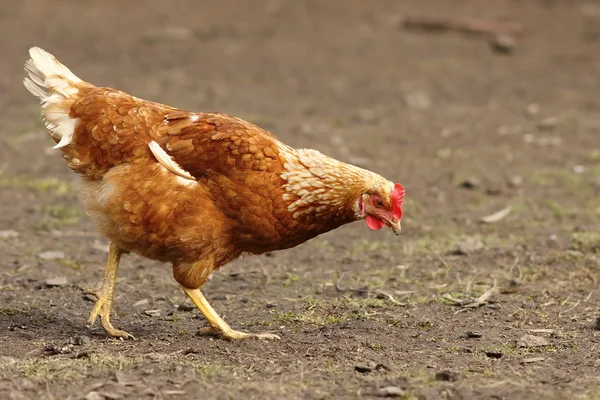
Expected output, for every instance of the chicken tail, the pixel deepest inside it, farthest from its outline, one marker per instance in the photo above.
(56, 87)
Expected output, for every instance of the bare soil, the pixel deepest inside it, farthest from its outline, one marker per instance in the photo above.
(467, 129)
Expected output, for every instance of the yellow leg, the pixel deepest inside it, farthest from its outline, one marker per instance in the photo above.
(104, 296)
(218, 326)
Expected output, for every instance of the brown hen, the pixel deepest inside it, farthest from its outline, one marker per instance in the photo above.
(195, 189)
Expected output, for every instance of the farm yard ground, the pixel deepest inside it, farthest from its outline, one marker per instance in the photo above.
(470, 128)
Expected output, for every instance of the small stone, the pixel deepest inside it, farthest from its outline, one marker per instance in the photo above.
(391, 391)
(529, 138)
(186, 307)
(529, 341)
(512, 287)
(473, 334)
(51, 255)
(152, 313)
(515, 181)
(80, 340)
(363, 368)
(533, 109)
(470, 183)
(370, 366)
(90, 297)
(504, 44)
(94, 396)
(446, 376)
(418, 100)
(55, 282)
(547, 124)
(494, 354)
(9, 234)
(469, 246)
(53, 350)
(493, 191)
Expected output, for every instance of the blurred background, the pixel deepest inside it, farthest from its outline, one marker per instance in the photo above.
(488, 112)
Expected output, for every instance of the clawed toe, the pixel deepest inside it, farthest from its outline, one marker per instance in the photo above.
(102, 309)
(235, 335)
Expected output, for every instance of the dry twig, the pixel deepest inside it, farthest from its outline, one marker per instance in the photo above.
(497, 216)
(473, 303)
(473, 26)
(379, 292)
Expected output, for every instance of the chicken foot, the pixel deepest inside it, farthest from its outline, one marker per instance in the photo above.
(104, 295)
(219, 327)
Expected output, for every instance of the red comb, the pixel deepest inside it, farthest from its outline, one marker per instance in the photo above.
(397, 200)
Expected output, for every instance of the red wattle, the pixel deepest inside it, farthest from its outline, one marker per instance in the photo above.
(374, 223)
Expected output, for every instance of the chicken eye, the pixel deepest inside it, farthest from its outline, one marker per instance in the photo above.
(377, 202)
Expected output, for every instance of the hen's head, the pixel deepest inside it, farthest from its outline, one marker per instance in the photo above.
(382, 205)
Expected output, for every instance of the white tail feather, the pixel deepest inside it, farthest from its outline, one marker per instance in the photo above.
(53, 84)
(167, 161)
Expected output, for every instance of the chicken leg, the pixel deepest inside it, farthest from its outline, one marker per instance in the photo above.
(104, 296)
(219, 327)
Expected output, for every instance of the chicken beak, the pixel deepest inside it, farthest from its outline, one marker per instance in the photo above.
(394, 224)
(396, 227)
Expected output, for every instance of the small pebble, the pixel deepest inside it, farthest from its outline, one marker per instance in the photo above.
(470, 183)
(530, 341)
(391, 391)
(504, 44)
(51, 255)
(468, 246)
(547, 124)
(57, 281)
(186, 307)
(533, 109)
(515, 181)
(446, 376)
(494, 354)
(9, 234)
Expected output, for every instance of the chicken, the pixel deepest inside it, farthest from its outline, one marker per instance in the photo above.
(196, 190)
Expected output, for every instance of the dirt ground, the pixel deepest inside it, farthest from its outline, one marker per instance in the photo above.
(468, 129)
